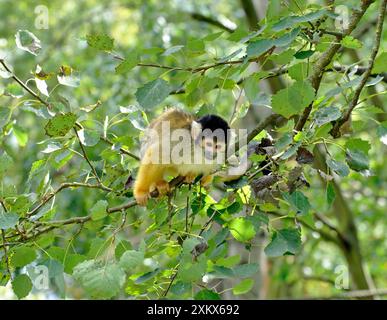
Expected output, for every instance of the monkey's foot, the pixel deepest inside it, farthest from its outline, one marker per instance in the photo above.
(162, 187)
(141, 198)
(189, 178)
(206, 181)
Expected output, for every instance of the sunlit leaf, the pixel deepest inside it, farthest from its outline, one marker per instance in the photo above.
(27, 41)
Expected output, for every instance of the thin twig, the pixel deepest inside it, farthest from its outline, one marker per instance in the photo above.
(122, 150)
(86, 157)
(23, 85)
(326, 58)
(65, 185)
(170, 284)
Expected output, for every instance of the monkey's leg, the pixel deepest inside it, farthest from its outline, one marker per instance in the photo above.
(190, 178)
(148, 176)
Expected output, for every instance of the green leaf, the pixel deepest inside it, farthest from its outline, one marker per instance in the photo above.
(381, 132)
(98, 211)
(27, 41)
(287, 38)
(356, 144)
(339, 167)
(207, 294)
(131, 259)
(196, 45)
(251, 87)
(147, 276)
(243, 287)
(122, 246)
(259, 47)
(285, 241)
(229, 261)
(245, 270)
(299, 71)
(21, 285)
(304, 54)
(357, 154)
(129, 63)
(380, 64)
(192, 271)
(21, 204)
(284, 57)
(325, 115)
(72, 260)
(293, 99)
(21, 135)
(153, 93)
(298, 201)
(290, 21)
(88, 138)
(100, 42)
(60, 125)
(179, 288)
(8, 220)
(357, 160)
(172, 50)
(5, 163)
(351, 42)
(23, 256)
(242, 229)
(101, 280)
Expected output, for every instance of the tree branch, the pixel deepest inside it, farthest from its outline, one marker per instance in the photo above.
(379, 29)
(202, 18)
(327, 57)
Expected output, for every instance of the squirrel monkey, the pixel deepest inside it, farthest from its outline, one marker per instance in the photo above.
(178, 144)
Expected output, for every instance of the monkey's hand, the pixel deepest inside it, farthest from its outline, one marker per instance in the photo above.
(141, 198)
(162, 187)
(206, 180)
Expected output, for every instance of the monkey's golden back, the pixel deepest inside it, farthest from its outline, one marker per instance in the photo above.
(178, 119)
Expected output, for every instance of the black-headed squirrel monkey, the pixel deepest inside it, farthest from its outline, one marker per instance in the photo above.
(178, 144)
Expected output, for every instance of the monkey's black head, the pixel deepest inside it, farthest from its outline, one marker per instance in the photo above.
(211, 132)
(213, 122)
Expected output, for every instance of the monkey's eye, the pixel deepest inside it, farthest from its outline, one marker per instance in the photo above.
(219, 146)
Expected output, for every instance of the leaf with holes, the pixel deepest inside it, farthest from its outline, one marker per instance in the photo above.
(60, 125)
(100, 41)
(27, 41)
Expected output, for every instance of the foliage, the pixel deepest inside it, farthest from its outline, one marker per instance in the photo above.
(76, 98)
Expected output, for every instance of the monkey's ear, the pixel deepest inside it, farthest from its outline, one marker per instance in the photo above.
(196, 129)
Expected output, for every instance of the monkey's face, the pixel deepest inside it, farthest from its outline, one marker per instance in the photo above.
(210, 134)
(212, 146)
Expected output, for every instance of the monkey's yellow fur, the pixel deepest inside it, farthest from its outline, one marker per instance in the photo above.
(152, 176)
